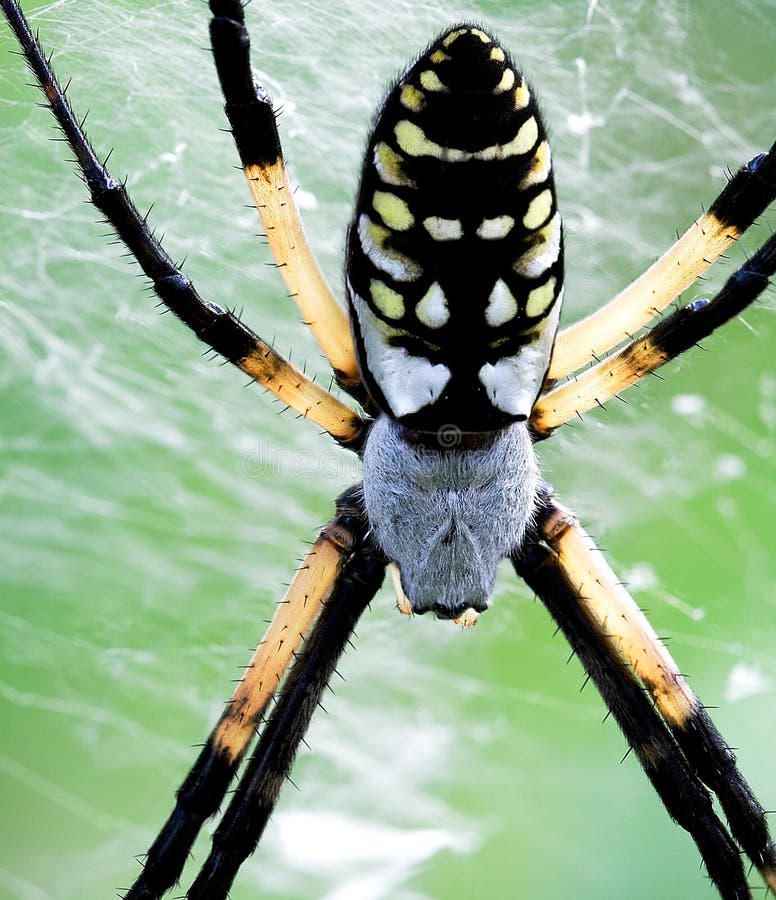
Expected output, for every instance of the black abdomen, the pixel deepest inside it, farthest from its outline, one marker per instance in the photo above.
(454, 255)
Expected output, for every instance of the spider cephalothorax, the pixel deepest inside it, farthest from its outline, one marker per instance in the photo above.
(446, 515)
(454, 270)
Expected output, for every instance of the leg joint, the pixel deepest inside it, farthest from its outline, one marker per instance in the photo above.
(552, 519)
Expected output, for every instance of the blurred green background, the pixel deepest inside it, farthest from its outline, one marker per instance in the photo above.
(151, 509)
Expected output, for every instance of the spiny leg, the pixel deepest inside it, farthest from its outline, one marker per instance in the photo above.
(627, 627)
(748, 193)
(217, 327)
(205, 786)
(248, 813)
(252, 118)
(684, 797)
(671, 336)
(626, 633)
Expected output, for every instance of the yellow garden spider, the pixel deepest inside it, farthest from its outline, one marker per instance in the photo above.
(545, 543)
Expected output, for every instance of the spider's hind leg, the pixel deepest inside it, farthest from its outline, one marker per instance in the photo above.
(672, 336)
(252, 118)
(219, 328)
(745, 197)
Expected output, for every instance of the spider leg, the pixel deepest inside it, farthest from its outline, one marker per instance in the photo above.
(671, 336)
(748, 193)
(252, 118)
(320, 575)
(244, 821)
(216, 326)
(675, 741)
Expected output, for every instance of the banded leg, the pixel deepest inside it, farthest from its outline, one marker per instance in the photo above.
(607, 629)
(204, 788)
(252, 119)
(217, 327)
(248, 813)
(746, 196)
(670, 337)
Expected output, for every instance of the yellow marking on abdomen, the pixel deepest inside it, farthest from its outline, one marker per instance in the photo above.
(522, 96)
(432, 82)
(543, 251)
(394, 211)
(389, 302)
(540, 299)
(523, 142)
(414, 141)
(375, 242)
(451, 38)
(390, 166)
(438, 56)
(412, 98)
(540, 167)
(507, 81)
(539, 210)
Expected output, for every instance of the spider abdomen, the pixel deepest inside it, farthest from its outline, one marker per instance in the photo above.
(455, 261)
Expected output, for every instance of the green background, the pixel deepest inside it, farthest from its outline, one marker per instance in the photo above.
(151, 508)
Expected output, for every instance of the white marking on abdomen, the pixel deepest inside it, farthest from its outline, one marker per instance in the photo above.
(443, 229)
(408, 382)
(397, 265)
(502, 306)
(543, 253)
(513, 383)
(432, 309)
(495, 229)
(538, 210)
(539, 299)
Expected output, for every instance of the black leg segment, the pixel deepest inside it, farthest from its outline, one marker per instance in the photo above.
(216, 326)
(684, 796)
(319, 579)
(672, 336)
(246, 817)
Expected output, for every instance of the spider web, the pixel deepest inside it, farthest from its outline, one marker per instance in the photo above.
(150, 511)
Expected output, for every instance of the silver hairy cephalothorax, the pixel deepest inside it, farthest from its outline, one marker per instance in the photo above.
(448, 515)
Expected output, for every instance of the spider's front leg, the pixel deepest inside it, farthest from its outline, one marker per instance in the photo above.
(312, 625)
(675, 741)
(254, 800)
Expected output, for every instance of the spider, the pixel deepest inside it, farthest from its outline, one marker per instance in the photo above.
(459, 423)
